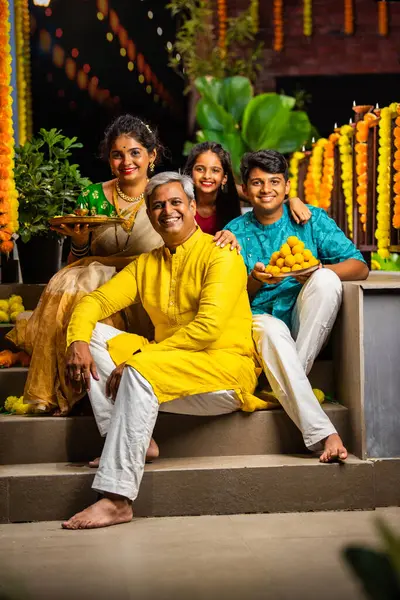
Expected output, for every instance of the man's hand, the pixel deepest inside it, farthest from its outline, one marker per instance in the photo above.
(224, 237)
(259, 273)
(113, 382)
(80, 366)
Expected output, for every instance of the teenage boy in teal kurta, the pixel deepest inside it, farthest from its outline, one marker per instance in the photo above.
(293, 317)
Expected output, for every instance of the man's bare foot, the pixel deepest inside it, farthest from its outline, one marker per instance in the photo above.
(111, 510)
(153, 452)
(333, 449)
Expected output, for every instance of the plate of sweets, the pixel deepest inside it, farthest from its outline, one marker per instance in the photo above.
(292, 259)
(81, 216)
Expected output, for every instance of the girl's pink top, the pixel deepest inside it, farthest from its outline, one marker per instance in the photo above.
(207, 224)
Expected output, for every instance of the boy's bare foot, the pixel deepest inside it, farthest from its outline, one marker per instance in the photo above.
(111, 510)
(153, 452)
(333, 449)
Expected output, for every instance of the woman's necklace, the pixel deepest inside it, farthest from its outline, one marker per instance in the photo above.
(128, 224)
(125, 197)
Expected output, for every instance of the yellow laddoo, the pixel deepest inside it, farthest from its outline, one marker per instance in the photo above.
(285, 270)
(280, 262)
(292, 241)
(275, 271)
(285, 250)
(307, 254)
(298, 248)
(296, 267)
(4, 305)
(298, 258)
(274, 257)
(289, 261)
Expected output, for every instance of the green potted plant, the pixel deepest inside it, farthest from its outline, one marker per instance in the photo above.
(228, 112)
(48, 185)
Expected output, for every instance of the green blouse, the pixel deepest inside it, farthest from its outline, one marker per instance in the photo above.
(94, 199)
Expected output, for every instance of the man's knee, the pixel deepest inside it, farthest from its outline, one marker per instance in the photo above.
(99, 336)
(270, 328)
(325, 281)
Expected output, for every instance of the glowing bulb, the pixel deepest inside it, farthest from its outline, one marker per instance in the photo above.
(131, 66)
(148, 89)
(159, 31)
(141, 78)
(169, 46)
(41, 2)
(110, 36)
(122, 52)
(150, 14)
(178, 57)
(100, 16)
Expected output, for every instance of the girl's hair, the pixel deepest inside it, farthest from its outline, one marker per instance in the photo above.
(228, 201)
(132, 127)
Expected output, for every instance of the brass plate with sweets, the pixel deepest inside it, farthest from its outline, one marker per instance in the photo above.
(84, 220)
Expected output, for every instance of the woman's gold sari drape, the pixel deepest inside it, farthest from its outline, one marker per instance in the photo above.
(42, 333)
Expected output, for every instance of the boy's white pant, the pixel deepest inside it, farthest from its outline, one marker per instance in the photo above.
(288, 356)
(129, 423)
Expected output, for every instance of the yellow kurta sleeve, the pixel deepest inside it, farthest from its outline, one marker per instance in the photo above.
(118, 293)
(224, 283)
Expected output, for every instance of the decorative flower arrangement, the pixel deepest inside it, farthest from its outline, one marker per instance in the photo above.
(23, 70)
(346, 160)
(382, 233)
(383, 27)
(8, 194)
(396, 168)
(15, 405)
(361, 149)
(222, 25)
(307, 17)
(294, 173)
(328, 169)
(278, 25)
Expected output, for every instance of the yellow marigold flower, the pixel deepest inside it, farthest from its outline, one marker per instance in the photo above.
(10, 402)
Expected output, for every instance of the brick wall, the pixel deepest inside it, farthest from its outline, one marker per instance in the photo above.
(329, 51)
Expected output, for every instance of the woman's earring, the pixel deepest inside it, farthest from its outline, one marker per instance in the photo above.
(151, 167)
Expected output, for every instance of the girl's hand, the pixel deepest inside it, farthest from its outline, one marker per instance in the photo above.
(79, 234)
(300, 212)
(224, 237)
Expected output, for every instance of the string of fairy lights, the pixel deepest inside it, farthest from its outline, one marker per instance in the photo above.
(136, 61)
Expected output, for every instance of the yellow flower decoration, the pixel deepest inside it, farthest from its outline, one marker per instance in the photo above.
(383, 188)
(297, 157)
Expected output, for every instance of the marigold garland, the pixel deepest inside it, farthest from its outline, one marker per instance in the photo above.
(346, 175)
(313, 179)
(349, 17)
(255, 15)
(396, 176)
(23, 70)
(8, 193)
(383, 17)
(328, 170)
(278, 25)
(222, 25)
(297, 157)
(307, 18)
(382, 233)
(361, 149)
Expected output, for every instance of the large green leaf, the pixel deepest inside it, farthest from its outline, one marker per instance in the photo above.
(209, 87)
(264, 121)
(211, 115)
(236, 93)
(296, 133)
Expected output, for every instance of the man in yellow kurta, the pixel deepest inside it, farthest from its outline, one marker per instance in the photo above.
(202, 360)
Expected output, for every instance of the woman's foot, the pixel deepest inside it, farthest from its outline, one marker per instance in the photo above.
(110, 510)
(153, 452)
(334, 449)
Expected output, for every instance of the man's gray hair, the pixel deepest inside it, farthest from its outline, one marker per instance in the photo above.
(169, 177)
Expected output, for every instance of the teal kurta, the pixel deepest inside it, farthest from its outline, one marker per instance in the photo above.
(320, 234)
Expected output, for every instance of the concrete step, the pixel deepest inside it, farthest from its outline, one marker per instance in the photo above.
(40, 439)
(195, 486)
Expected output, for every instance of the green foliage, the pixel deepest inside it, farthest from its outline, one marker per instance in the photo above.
(386, 264)
(196, 43)
(47, 183)
(230, 114)
(378, 570)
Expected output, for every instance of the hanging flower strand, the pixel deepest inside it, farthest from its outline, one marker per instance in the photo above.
(307, 18)
(346, 160)
(278, 25)
(297, 157)
(396, 169)
(383, 18)
(27, 66)
(382, 233)
(222, 19)
(255, 15)
(8, 193)
(349, 17)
